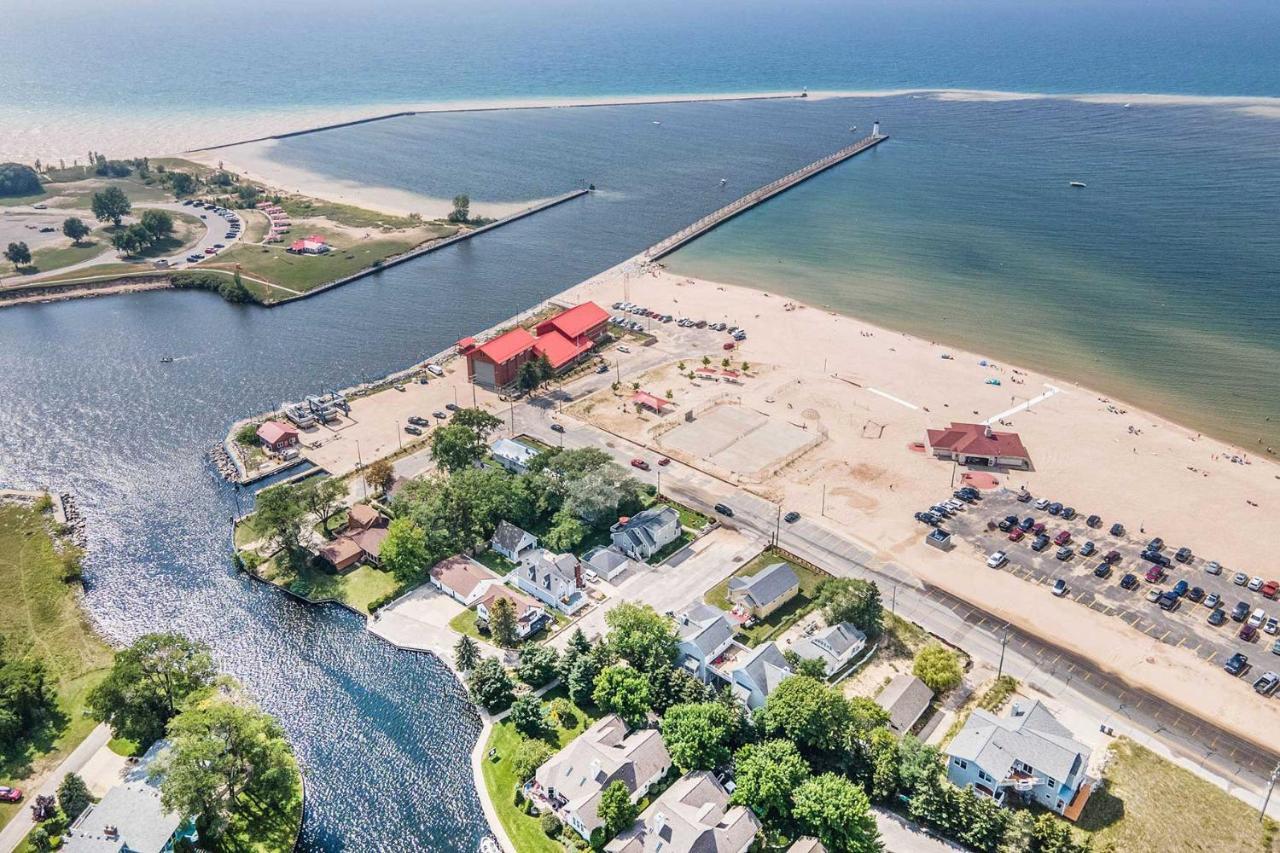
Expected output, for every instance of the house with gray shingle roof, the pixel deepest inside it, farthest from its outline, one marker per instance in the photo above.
(835, 646)
(572, 780)
(757, 674)
(704, 632)
(646, 533)
(692, 816)
(905, 698)
(766, 590)
(608, 563)
(1028, 755)
(512, 542)
(553, 579)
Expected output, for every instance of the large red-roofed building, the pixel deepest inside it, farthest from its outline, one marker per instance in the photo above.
(497, 362)
(978, 444)
(562, 339)
(583, 323)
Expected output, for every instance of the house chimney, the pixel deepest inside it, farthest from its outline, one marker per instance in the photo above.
(1017, 709)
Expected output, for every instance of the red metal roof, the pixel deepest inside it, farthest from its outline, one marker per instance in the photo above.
(464, 343)
(272, 431)
(577, 321)
(650, 400)
(298, 245)
(558, 349)
(506, 346)
(977, 440)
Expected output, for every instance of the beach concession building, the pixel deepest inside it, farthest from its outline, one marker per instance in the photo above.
(562, 340)
(978, 444)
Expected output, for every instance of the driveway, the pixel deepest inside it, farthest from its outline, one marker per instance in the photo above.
(21, 823)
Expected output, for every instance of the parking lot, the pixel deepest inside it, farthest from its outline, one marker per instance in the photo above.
(1186, 626)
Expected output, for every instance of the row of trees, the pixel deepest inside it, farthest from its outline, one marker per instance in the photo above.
(154, 227)
(282, 511)
(810, 761)
(27, 698)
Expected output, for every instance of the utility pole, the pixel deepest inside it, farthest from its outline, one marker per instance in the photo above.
(617, 370)
(1262, 816)
(474, 404)
(1004, 641)
(399, 435)
(658, 493)
(893, 601)
(512, 404)
(777, 526)
(824, 500)
(364, 487)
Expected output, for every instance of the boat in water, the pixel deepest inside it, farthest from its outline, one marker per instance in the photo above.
(168, 359)
(1079, 184)
(489, 845)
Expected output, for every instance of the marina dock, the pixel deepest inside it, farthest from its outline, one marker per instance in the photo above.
(762, 194)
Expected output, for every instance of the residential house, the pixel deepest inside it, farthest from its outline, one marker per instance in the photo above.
(573, 779)
(340, 554)
(553, 579)
(836, 646)
(704, 634)
(905, 698)
(807, 845)
(692, 816)
(360, 541)
(512, 542)
(765, 591)
(647, 532)
(757, 674)
(531, 617)
(978, 444)
(278, 436)
(1028, 755)
(607, 563)
(462, 579)
(130, 818)
(513, 455)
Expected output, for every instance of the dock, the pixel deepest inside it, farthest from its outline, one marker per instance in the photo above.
(762, 194)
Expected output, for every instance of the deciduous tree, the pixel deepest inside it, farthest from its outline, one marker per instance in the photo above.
(529, 716)
(836, 811)
(490, 685)
(18, 254)
(279, 513)
(537, 665)
(75, 228)
(697, 736)
(616, 809)
(404, 550)
(158, 224)
(529, 755)
(938, 667)
(147, 684)
(642, 636)
(624, 691)
(380, 475)
(808, 712)
(111, 204)
(853, 600)
(765, 776)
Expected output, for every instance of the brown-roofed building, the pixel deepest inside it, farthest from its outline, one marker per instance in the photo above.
(807, 845)
(572, 780)
(692, 816)
(362, 517)
(978, 444)
(361, 540)
(342, 553)
(531, 616)
(462, 579)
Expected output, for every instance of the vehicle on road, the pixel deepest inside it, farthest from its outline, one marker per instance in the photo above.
(1237, 663)
(1060, 587)
(1213, 567)
(10, 795)
(664, 461)
(557, 428)
(640, 463)
(413, 430)
(210, 251)
(1129, 581)
(997, 559)
(724, 510)
(219, 245)
(1267, 684)
(791, 517)
(1217, 617)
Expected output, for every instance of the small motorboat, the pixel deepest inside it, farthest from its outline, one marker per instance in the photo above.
(993, 381)
(1079, 184)
(657, 122)
(724, 181)
(168, 359)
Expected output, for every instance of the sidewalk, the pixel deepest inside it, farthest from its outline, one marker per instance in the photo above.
(17, 828)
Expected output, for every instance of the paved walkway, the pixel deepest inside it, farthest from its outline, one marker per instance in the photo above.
(17, 828)
(902, 836)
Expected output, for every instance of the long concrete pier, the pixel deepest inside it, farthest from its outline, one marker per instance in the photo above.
(762, 194)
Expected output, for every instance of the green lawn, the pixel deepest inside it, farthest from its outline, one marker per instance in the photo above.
(305, 272)
(1152, 804)
(465, 623)
(786, 615)
(501, 783)
(255, 829)
(19, 200)
(356, 588)
(41, 617)
(56, 257)
(346, 214)
(247, 530)
(494, 561)
(102, 271)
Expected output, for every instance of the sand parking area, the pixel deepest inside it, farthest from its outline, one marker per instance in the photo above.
(738, 438)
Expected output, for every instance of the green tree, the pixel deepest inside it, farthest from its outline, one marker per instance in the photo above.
(490, 685)
(597, 495)
(837, 813)
(562, 712)
(812, 667)
(466, 654)
(234, 291)
(697, 735)
(182, 183)
(624, 691)
(110, 204)
(502, 622)
(404, 550)
(616, 809)
(537, 665)
(26, 695)
(453, 448)
(675, 686)
(529, 376)
(1054, 836)
(18, 254)
(529, 716)
(808, 712)
(158, 224)
(937, 666)
(38, 840)
(224, 749)
(765, 776)
(983, 820)
(577, 646)
(380, 475)
(919, 765)
(565, 533)
(529, 755)
(881, 748)
(18, 179)
(853, 600)
(75, 228)
(642, 636)
(461, 209)
(1019, 833)
(280, 513)
(73, 796)
(322, 496)
(586, 669)
(480, 422)
(147, 684)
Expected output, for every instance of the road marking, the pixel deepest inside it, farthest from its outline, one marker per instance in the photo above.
(897, 400)
(1053, 389)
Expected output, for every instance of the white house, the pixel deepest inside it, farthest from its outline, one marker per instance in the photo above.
(1028, 755)
(513, 455)
(757, 674)
(572, 780)
(704, 634)
(530, 614)
(646, 533)
(608, 563)
(553, 579)
(512, 542)
(835, 646)
(765, 591)
(462, 579)
(692, 816)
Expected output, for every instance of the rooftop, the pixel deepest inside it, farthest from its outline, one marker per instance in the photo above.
(506, 346)
(130, 817)
(977, 439)
(905, 698)
(1033, 737)
(576, 321)
(559, 349)
(461, 574)
(273, 431)
(692, 816)
(765, 586)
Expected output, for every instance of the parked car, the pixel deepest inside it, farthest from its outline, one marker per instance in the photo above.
(1257, 617)
(640, 463)
(413, 430)
(1237, 663)
(1068, 512)
(1183, 555)
(1270, 588)
(1217, 617)
(1112, 557)
(1093, 521)
(1064, 553)
(1255, 584)
(1129, 581)
(453, 407)
(1087, 549)
(1004, 525)
(1155, 574)
(1040, 543)
(926, 518)
(604, 368)
(1037, 528)
(10, 795)
(1196, 594)
(1267, 684)
(1240, 612)
(1157, 558)
(1213, 567)
(1043, 503)
(791, 517)
(418, 421)
(1212, 600)
(1168, 601)
(997, 559)
(1027, 523)
(1272, 626)
(724, 510)
(1240, 579)
(439, 415)
(1062, 538)
(1248, 633)
(1180, 588)
(1154, 593)
(1102, 570)
(1016, 534)
(1060, 587)
(1155, 544)
(1054, 508)
(1275, 648)
(1024, 497)
(1117, 529)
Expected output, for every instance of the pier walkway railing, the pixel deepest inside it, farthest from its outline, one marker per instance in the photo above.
(761, 194)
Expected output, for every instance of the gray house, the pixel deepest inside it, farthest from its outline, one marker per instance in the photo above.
(835, 646)
(608, 563)
(512, 542)
(758, 674)
(513, 455)
(553, 579)
(766, 590)
(646, 533)
(1028, 755)
(906, 698)
(692, 816)
(704, 634)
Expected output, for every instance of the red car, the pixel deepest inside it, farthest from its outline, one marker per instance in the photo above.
(1270, 589)
(664, 461)
(1062, 538)
(728, 345)
(9, 795)
(1112, 557)
(1016, 534)
(1155, 574)
(640, 463)
(1037, 528)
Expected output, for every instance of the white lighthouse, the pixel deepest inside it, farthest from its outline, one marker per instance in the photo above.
(875, 129)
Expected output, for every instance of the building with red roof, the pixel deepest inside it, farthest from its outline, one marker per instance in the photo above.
(650, 401)
(558, 349)
(278, 436)
(497, 362)
(583, 323)
(978, 444)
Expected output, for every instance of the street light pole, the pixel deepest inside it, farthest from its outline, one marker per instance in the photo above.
(777, 526)
(474, 405)
(1262, 816)
(399, 436)
(512, 404)
(824, 500)
(1004, 641)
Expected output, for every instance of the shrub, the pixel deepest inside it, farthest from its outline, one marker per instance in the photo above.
(551, 825)
(938, 667)
(17, 179)
(247, 434)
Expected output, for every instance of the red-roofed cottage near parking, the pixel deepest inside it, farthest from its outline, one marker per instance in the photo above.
(278, 436)
(978, 444)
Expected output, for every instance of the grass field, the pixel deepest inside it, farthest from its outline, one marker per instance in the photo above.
(345, 214)
(306, 272)
(101, 271)
(500, 782)
(41, 618)
(1151, 804)
(356, 588)
(20, 200)
(786, 615)
(55, 257)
